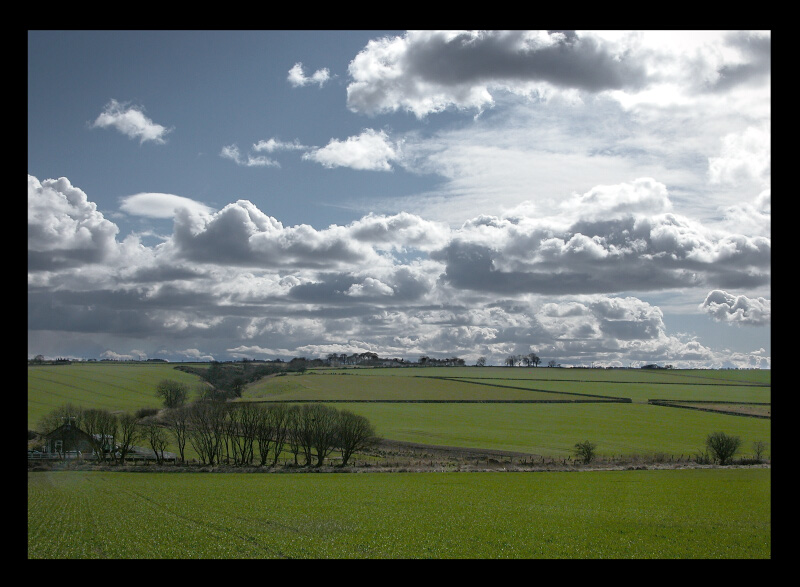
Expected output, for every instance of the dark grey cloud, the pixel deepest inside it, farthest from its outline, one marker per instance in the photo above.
(756, 49)
(570, 61)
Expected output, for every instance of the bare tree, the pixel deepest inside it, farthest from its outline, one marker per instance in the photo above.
(156, 436)
(271, 432)
(481, 362)
(177, 421)
(355, 433)
(128, 434)
(759, 448)
(101, 426)
(324, 431)
(67, 412)
(293, 431)
(206, 429)
(241, 426)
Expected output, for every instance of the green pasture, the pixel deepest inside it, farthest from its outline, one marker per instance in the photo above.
(463, 384)
(109, 386)
(547, 429)
(667, 514)
(553, 429)
(641, 392)
(381, 386)
(754, 376)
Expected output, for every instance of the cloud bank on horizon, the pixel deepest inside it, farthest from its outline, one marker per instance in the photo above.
(505, 254)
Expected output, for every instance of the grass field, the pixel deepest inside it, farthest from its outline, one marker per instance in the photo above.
(665, 514)
(702, 514)
(109, 386)
(392, 399)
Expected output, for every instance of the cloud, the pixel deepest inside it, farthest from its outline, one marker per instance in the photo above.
(401, 232)
(240, 234)
(298, 78)
(744, 156)
(726, 307)
(753, 63)
(429, 71)
(131, 121)
(752, 218)
(237, 282)
(232, 152)
(64, 227)
(271, 145)
(633, 251)
(371, 150)
(156, 205)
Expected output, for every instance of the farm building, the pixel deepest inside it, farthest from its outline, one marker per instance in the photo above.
(68, 439)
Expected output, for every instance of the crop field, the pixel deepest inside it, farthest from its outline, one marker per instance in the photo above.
(708, 513)
(108, 386)
(670, 513)
(472, 407)
(552, 429)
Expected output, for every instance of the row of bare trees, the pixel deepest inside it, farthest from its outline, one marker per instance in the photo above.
(225, 432)
(259, 433)
(531, 359)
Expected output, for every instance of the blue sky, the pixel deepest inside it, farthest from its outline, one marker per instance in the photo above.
(596, 197)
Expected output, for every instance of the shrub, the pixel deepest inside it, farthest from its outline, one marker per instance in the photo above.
(723, 446)
(585, 451)
(146, 412)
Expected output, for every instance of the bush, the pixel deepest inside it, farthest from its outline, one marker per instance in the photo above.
(585, 451)
(146, 412)
(174, 393)
(723, 446)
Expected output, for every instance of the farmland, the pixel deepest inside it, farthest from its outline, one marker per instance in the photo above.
(534, 413)
(709, 513)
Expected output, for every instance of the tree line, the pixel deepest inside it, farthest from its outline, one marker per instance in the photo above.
(222, 432)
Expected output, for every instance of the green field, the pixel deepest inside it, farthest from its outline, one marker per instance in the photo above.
(421, 404)
(674, 513)
(109, 386)
(669, 514)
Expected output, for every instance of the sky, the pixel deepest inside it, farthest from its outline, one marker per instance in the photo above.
(595, 197)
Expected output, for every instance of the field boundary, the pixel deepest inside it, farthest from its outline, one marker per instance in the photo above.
(462, 380)
(598, 400)
(470, 380)
(678, 404)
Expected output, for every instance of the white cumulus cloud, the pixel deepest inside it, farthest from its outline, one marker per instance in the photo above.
(371, 150)
(726, 307)
(131, 121)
